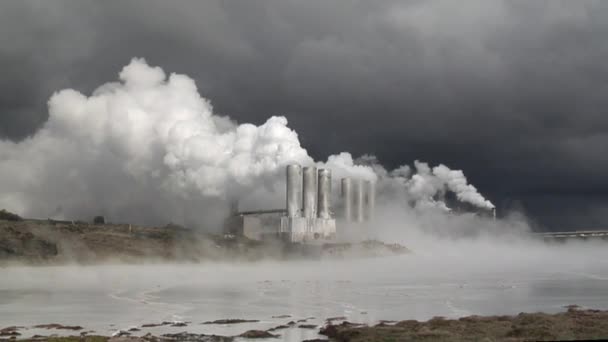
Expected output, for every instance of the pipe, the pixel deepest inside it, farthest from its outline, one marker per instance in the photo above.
(347, 199)
(370, 200)
(359, 199)
(310, 192)
(324, 194)
(294, 190)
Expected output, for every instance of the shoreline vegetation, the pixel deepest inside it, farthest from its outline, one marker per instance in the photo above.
(50, 242)
(573, 324)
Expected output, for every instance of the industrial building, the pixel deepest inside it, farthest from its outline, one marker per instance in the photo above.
(307, 216)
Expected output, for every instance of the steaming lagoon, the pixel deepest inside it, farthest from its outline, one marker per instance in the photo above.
(452, 280)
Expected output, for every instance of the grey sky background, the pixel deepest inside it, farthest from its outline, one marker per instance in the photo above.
(512, 92)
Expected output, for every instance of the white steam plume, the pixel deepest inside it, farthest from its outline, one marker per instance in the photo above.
(149, 148)
(456, 182)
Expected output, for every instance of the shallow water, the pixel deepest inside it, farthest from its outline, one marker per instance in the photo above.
(450, 282)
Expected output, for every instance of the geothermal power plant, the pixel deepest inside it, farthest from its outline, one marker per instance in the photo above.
(308, 215)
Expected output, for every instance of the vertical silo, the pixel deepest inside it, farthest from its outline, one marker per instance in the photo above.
(309, 198)
(324, 194)
(294, 190)
(347, 199)
(359, 200)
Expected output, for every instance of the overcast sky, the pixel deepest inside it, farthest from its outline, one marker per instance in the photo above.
(512, 92)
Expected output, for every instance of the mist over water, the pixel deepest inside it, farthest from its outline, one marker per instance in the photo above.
(442, 277)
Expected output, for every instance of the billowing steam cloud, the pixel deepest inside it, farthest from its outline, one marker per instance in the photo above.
(428, 183)
(456, 182)
(150, 148)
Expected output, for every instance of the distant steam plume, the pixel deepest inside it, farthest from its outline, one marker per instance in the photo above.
(149, 148)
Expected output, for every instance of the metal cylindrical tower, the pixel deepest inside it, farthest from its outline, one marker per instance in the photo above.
(347, 199)
(370, 199)
(324, 194)
(309, 198)
(294, 190)
(359, 200)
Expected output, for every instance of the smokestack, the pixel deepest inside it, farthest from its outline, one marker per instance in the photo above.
(359, 198)
(324, 194)
(294, 190)
(347, 198)
(370, 199)
(310, 192)
(234, 207)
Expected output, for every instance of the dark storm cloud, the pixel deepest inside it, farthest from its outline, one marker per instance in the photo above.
(513, 92)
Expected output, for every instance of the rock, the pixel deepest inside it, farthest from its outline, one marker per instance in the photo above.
(121, 333)
(258, 334)
(332, 330)
(58, 326)
(187, 337)
(152, 325)
(37, 337)
(232, 321)
(11, 328)
(339, 318)
(279, 327)
(10, 331)
(329, 331)
(307, 326)
(572, 307)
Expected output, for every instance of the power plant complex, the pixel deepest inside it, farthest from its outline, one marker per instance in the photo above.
(308, 216)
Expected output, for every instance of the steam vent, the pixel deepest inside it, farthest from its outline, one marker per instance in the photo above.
(308, 215)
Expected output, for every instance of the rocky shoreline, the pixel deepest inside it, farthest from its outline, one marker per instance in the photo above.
(573, 324)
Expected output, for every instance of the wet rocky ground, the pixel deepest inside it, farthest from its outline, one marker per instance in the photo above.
(573, 324)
